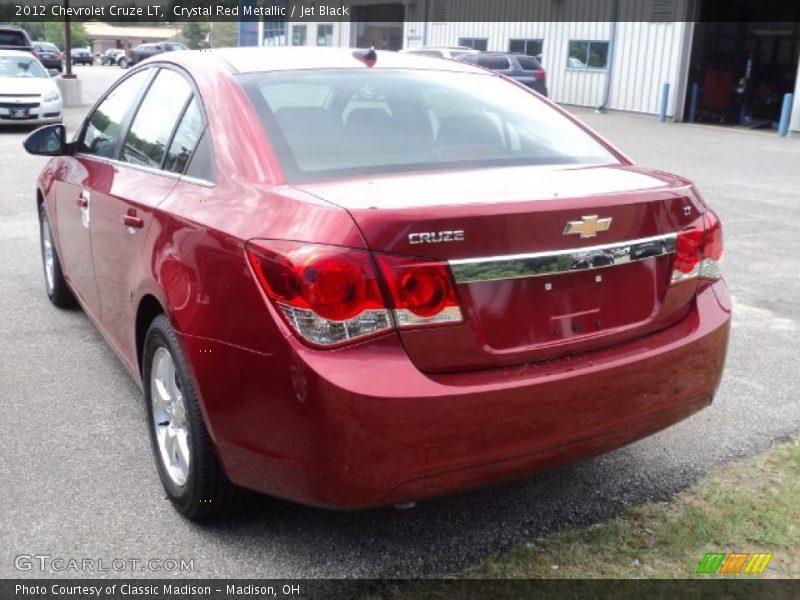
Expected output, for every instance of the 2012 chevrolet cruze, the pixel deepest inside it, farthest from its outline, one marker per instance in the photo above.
(351, 278)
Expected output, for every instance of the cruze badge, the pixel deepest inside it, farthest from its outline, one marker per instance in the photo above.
(587, 227)
(436, 237)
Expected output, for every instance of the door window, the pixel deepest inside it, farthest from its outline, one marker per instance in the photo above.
(104, 128)
(152, 127)
(185, 140)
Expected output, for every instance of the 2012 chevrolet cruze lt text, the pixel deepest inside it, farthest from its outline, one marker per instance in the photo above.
(350, 278)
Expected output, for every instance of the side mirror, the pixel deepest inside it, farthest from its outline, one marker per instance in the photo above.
(50, 140)
(54, 72)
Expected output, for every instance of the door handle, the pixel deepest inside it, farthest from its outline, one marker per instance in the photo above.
(81, 201)
(133, 221)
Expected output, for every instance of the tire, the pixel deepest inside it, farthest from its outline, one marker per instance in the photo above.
(187, 465)
(54, 283)
(123, 63)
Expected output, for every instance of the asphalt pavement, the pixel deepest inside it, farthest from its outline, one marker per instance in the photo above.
(78, 479)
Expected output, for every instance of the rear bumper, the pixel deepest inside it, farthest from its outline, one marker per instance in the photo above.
(361, 426)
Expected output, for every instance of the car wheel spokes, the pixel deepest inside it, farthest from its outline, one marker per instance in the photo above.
(169, 417)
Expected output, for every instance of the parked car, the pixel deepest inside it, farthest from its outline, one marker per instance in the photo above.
(14, 38)
(441, 51)
(520, 67)
(144, 51)
(343, 277)
(49, 55)
(111, 56)
(28, 95)
(81, 56)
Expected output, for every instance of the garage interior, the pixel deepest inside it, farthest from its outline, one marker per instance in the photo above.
(743, 69)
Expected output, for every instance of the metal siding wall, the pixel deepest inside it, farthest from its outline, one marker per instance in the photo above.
(646, 56)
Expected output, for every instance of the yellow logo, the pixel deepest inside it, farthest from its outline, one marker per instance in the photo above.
(587, 226)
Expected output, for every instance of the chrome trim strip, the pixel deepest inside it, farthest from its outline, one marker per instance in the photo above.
(538, 264)
(149, 170)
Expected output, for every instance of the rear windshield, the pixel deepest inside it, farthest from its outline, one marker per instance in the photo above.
(332, 123)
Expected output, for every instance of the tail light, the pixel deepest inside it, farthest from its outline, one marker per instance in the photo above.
(540, 74)
(327, 294)
(423, 292)
(698, 249)
(331, 295)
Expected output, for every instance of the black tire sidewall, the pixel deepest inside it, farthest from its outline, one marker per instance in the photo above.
(60, 295)
(188, 496)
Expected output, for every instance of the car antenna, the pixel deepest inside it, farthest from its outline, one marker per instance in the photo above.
(368, 57)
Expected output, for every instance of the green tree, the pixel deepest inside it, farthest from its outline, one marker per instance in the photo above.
(224, 34)
(54, 32)
(194, 32)
(35, 29)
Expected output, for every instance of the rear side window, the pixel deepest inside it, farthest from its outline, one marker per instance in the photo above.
(495, 63)
(185, 140)
(152, 127)
(528, 64)
(103, 130)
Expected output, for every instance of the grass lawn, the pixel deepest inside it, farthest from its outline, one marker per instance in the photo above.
(748, 506)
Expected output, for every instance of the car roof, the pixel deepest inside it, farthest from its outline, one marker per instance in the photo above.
(18, 53)
(287, 58)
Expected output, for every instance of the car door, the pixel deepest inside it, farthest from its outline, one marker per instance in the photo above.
(87, 169)
(123, 205)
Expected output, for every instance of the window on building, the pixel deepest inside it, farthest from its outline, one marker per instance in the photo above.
(529, 47)
(299, 35)
(475, 43)
(587, 55)
(274, 33)
(325, 35)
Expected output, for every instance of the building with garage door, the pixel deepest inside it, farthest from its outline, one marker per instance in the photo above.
(607, 54)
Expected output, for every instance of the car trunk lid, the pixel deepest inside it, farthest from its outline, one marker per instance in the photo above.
(531, 287)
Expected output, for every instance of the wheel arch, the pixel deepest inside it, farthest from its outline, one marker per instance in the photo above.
(148, 309)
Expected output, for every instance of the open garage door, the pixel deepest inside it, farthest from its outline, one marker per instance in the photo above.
(743, 68)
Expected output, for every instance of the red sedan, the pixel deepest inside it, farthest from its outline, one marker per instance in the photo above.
(351, 279)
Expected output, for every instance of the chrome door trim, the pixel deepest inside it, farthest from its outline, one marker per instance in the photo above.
(149, 170)
(538, 264)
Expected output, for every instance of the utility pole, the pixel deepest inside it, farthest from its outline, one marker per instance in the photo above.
(67, 43)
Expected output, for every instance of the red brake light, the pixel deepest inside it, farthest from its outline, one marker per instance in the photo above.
(698, 249)
(540, 74)
(712, 243)
(331, 295)
(336, 286)
(688, 248)
(423, 292)
(328, 294)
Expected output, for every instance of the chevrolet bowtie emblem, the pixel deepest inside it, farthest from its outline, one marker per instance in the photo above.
(588, 226)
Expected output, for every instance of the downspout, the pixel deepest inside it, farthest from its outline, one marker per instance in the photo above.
(425, 23)
(612, 41)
